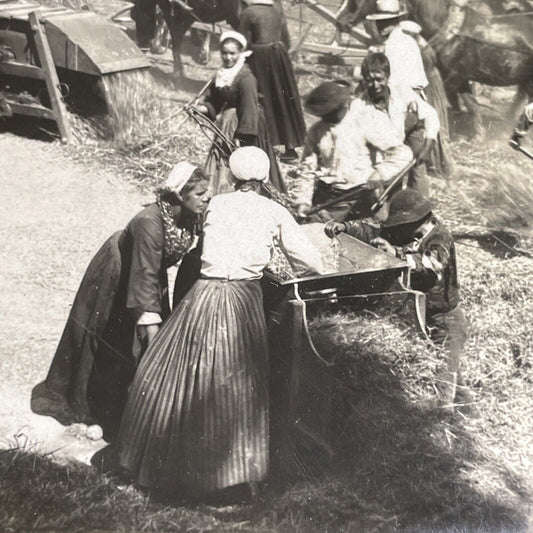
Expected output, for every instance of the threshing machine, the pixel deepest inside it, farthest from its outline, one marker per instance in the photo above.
(361, 277)
(47, 54)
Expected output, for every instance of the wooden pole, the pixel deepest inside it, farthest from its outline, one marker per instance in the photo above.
(361, 36)
(52, 81)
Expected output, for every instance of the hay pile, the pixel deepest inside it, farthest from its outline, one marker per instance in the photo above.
(361, 342)
(491, 188)
(146, 131)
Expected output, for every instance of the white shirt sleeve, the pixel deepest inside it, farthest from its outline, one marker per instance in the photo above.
(428, 114)
(302, 254)
(149, 318)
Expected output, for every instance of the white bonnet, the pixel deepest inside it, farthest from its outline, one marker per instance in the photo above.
(179, 176)
(239, 37)
(249, 163)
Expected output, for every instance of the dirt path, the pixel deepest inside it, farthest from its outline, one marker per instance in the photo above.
(55, 215)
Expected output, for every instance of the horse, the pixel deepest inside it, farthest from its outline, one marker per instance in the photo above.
(179, 16)
(479, 47)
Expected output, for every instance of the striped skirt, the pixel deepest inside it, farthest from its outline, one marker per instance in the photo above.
(197, 416)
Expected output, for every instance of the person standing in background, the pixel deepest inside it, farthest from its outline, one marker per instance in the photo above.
(264, 25)
(232, 102)
(402, 51)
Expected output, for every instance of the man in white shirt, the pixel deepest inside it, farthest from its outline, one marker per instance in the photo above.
(364, 147)
(403, 52)
(384, 109)
(339, 154)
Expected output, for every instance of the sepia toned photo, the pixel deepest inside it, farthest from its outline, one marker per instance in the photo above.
(267, 266)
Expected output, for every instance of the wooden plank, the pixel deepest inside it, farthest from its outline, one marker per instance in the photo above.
(52, 81)
(301, 38)
(13, 68)
(32, 110)
(216, 28)
(22, 13)
(361, 36)
(334, 50)
(15, 12)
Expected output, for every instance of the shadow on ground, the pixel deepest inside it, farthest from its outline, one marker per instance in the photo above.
(391, 463)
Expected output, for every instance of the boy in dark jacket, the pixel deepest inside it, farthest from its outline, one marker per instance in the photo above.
(413, 233)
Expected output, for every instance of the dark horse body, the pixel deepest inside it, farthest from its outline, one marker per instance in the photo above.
(470, 44)
(179, 17)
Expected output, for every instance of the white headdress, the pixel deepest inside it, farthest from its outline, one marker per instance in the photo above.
(179, 176)
(249, 163)
(225, 76)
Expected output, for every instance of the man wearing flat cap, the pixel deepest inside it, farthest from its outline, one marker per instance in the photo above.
(413, 233)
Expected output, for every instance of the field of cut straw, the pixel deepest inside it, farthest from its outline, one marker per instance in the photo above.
(395, 461)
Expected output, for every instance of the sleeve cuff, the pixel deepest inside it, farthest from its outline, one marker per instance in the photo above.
(149, 318)
(410, 261)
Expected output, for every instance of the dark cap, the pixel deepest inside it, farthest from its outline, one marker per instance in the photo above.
(406, 207)
(327, 97)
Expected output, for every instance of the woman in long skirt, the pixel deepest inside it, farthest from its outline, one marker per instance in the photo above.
(123, 294)
(197, 418)
(231, 100)
(264, 25)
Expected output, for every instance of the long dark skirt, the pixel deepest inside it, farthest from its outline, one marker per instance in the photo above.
(272, 67)
(93, 364)
(197, 416)
(217, 166)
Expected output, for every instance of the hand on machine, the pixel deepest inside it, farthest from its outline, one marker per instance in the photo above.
(382, 244)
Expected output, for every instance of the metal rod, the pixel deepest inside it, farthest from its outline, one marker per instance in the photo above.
(351, 194)
(516, 146)
(385, 194)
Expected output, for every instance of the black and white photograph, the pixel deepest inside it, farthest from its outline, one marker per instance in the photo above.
(267, 266)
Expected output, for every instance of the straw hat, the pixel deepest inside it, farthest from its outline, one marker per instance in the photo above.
(406, 207)
(387, 9)
(249, 163)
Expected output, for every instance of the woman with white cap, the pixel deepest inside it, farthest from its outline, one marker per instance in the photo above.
(197, 418)
(124, 292)
(232, 102)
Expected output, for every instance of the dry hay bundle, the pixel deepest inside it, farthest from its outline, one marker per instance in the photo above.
(365, 341)
(146, 131)
(492, 188)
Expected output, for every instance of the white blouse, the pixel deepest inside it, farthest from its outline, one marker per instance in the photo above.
(239, 233)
